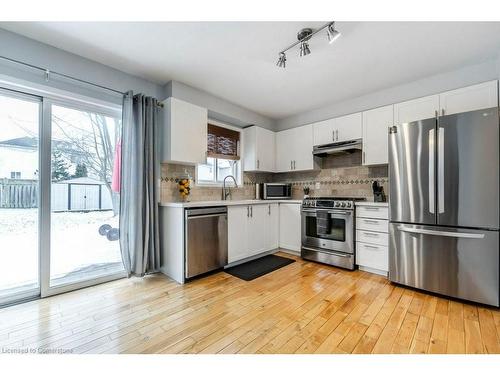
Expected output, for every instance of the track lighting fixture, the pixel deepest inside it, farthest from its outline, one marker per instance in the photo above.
(303, 37)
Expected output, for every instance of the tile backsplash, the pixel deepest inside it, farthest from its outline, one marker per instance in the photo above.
(340, 175)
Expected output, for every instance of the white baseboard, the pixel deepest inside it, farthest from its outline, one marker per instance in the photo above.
(373, 270)
(288, 251)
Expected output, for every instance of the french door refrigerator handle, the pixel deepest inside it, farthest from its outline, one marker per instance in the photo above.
(441, 233)
(432, 172)
(441, 169)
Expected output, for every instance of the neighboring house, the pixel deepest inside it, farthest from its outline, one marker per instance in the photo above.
(19, 158)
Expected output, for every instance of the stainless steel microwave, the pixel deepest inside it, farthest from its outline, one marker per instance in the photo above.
(276, 190)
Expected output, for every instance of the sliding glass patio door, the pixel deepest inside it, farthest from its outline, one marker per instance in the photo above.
(59, 196)
(20, 123)
(85, 200)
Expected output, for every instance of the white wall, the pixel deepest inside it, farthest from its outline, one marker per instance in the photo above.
(18, 47)
(218, 108)
(469, 75)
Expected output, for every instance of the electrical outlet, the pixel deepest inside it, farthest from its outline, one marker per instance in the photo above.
(317, 186)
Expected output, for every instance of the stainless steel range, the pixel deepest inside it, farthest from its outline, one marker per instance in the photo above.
(328, 230)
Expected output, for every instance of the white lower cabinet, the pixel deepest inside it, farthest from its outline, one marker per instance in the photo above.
(237, 232)
(289, 226)
(252, 229)
(372, 238)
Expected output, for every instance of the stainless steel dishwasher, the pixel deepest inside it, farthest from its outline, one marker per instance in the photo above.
(206, 240)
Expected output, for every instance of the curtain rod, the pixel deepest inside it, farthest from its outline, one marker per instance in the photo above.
(48, 71)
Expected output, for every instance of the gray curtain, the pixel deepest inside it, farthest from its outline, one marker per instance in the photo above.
(139, 228)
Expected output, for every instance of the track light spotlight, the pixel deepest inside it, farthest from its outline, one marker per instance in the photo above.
(332, 33)
(304, 49)
(281, 60)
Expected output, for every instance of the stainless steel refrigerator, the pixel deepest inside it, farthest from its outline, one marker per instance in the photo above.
(444, 205)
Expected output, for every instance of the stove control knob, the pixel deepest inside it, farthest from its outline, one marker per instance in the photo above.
(349, 204)
(342, 204)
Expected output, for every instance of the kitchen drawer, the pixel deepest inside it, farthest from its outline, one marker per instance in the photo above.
(376, 225)
(376, 212)
(372, 256)
(370, 237)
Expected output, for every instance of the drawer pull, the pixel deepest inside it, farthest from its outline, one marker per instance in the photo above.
(371, 208)
(370, 234)
(371, 221)
(372, 247)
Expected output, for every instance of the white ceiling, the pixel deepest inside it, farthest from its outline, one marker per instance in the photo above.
(236, 60)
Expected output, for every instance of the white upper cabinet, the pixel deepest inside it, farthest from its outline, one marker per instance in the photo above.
(348, 128)
(183, 132)
(324, 132)
(340, 129)
(259, 149)
(465, 99)
(375, 133)
(417, 109)
(470, 98)
(294, 149)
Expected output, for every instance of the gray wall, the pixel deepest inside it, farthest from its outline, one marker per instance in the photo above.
(218, 108)
(24, 49)
(488, 70)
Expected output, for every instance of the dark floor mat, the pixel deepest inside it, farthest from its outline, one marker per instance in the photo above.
(258, 267)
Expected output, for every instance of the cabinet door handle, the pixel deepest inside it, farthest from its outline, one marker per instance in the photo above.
(294, 166)
(442, 111)
(291, 164)
(251, 211)
(337, 134)
(333, 135)
(269, 210)
(364, 157)
(258, 163)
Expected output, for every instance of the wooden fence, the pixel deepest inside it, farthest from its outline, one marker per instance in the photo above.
(18, 193)
(64, 196)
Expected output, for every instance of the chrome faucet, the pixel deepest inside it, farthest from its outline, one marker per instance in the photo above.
(227, 192)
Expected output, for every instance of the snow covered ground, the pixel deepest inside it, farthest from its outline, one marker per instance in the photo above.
(76, 245)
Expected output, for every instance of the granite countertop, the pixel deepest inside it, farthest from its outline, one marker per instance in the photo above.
(225, 203)
(368, 203)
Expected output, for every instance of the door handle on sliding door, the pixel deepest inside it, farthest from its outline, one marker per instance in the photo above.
(441, 170)
(432, 161)
(441, 233)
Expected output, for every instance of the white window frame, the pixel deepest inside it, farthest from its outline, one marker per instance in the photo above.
(239, 177)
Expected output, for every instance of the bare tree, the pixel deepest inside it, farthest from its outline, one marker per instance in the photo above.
(93, 146)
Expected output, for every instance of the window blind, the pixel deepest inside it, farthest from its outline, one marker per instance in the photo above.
(223, 143)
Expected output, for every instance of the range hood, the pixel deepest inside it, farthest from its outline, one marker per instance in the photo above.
(347, 147)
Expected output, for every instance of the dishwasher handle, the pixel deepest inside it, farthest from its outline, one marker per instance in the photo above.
(204, 216)
(190, 212)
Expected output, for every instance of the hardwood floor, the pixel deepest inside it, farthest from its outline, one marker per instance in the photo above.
(302, 308)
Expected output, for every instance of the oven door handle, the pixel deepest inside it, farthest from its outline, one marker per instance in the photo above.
(345, 213)
(343, 255)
